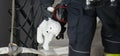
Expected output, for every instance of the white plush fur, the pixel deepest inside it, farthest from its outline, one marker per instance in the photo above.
(46, 31)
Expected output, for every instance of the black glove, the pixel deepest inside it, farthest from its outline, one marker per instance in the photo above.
(60, 15)
(61, 34)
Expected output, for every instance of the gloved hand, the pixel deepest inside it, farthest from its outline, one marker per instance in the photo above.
(60, 15)
(61, 34)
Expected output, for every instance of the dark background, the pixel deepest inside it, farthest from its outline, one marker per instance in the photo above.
(4, 22)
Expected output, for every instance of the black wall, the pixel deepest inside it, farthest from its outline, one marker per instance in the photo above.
(4, 22)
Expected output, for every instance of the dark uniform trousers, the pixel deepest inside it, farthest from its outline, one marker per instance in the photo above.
(82, 25)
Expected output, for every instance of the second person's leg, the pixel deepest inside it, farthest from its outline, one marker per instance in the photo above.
(81, 28)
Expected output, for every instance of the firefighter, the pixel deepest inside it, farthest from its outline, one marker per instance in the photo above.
(81, 20)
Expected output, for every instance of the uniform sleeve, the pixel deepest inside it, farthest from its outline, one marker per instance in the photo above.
(47, 2)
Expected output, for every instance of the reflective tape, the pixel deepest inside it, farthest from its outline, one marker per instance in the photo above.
(83, 52)
(112, 41)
